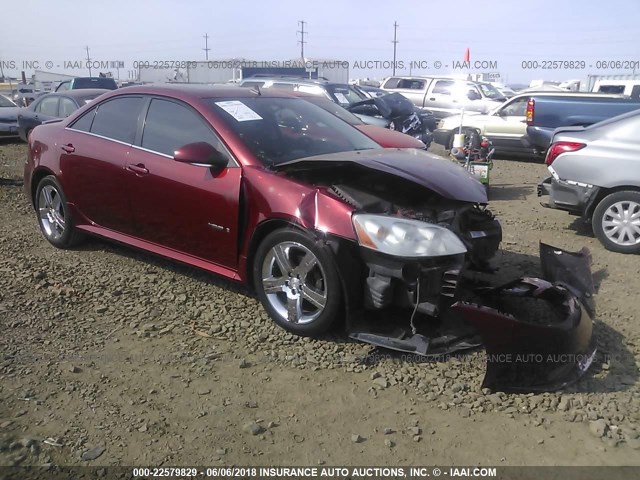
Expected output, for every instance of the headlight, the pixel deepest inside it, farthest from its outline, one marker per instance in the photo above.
(404, 237)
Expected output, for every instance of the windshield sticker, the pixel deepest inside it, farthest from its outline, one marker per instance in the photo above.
(238, 110)
(341, 98)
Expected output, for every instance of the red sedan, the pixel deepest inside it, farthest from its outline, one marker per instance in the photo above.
(258, 187)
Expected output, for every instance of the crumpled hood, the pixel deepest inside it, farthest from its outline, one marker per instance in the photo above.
(440, 175)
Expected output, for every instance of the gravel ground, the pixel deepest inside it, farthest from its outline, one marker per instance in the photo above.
(113, 357)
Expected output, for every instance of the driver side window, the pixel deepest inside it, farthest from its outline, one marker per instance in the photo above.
(169, 126)
(517, 108)
(443, 87)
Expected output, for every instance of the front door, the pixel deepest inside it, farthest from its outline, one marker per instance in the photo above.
(188, 208)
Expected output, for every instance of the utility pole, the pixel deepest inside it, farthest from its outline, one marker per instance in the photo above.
(88, 60)
(206, 45)
(302, 41)
(395, 42)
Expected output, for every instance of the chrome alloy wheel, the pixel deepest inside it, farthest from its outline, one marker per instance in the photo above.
(294, 282)
(51, 212)
(621, 223)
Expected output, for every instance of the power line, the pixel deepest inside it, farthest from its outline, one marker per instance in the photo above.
(206, 46)
(301, 41)
(395, 42)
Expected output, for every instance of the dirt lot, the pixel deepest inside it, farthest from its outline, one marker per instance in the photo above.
(109, 356)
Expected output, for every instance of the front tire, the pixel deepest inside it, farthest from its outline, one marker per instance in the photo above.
(616, 222)
(297, 282)
(54, 216)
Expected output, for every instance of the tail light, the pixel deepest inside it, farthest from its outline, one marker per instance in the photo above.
(561, 147)
(531, 104)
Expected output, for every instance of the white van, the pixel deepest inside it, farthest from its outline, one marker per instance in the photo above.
(630, 88)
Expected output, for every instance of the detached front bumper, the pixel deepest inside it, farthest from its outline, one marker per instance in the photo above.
(570, 196)
(537, 333)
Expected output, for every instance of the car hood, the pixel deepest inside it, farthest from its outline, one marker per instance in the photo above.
(390, 138)
(440, 175)
(10, 113)
(453, 121)
(377, 121)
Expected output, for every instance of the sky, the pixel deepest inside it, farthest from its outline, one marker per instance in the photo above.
(514, 35)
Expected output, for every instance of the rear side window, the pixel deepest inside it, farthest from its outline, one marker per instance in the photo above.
(391, 83)
(48, 106)
(611, 89)
(411, 84)
(169, 126)
(443, 87)
(67, 107)
(118, 119)
(84, 122)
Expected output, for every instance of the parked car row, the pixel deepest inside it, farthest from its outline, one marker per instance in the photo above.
(525, 123)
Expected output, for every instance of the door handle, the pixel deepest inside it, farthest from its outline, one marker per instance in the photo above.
(138, 169)
(432, 99)
(68, 148)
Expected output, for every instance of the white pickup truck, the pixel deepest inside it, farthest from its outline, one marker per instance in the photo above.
(446, 96)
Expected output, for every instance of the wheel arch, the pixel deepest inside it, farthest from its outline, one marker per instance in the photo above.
(36, 178)
(602, 194)
(344, 251)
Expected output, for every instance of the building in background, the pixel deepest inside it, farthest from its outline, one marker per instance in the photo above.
(233, 70)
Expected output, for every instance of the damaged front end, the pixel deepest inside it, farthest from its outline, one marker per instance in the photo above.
(422, 232)
(537, 333)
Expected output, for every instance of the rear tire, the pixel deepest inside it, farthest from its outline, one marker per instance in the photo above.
(616, 222)
(54, 215)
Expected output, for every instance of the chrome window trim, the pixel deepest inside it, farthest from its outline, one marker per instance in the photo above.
(99, 136)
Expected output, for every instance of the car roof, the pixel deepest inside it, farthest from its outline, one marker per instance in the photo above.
(542, 93)
(81, 92)
(314, 81)
(195, 91)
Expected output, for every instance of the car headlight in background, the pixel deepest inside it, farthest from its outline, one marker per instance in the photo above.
(405, 237)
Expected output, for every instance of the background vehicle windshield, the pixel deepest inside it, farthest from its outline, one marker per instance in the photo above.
(490, 91)
(278, 130)
(5, 102)
(344, 94)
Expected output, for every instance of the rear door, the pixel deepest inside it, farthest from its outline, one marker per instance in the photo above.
(95, 151)
(188, 208)
(415, 89)
(440, 98)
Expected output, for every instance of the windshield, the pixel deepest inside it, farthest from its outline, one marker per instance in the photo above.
(334, 109)
(5, 102)
(345, 95)
(278, 130)
(490, 91)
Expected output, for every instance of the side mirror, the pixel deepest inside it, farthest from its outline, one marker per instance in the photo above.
(201, 153)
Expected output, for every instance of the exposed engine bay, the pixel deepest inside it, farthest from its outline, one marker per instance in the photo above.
(372, 191)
